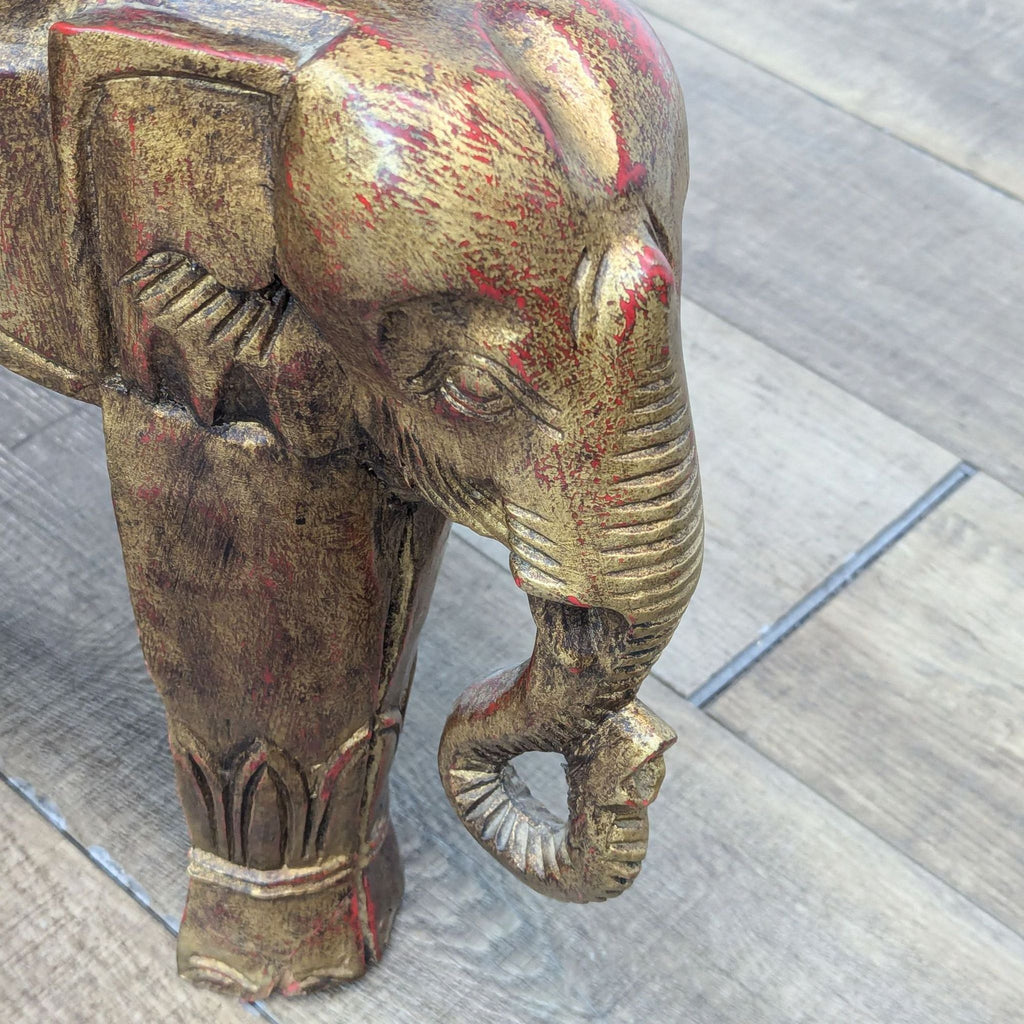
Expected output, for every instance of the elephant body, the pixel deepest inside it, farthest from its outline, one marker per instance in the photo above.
(339, 276)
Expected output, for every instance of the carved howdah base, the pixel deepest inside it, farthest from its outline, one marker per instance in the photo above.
(250, 932)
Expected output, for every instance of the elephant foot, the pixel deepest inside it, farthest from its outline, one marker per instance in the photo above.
(251, 933)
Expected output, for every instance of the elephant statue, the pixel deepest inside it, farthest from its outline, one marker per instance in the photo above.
(338, 276)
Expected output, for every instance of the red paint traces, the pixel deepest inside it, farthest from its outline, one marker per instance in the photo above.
(489, 288)
(149, 494)
(576, 602)
(145, 608)
(313, 4)
(366, 202)
(629, 306)
(379, 38)
(295, 372)
(265, 581)
(656, 278)
(160, 435)
(421, 138)
(367, 29)
(644, 50)
(655, 268)
(564, 28)
(282, 566)
(474, 133)
(543, 472)
(517, 360)
(332, 773)
(165, 38)
(215, 515)
(530, 102)
(352, 918)
(629, 172)
(371, 919)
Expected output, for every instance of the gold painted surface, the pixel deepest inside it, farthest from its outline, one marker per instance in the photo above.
(338, 277)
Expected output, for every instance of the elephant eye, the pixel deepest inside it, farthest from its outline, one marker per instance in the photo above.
(474, 391)
(476, 385)
(471, 385)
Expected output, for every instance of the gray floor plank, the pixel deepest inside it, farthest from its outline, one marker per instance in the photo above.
(887, 272)
(76, 947)
(903, 700)
(944, 75)
(760, 901)
(26, 410)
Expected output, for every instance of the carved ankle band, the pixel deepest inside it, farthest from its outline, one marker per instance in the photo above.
(278, 883)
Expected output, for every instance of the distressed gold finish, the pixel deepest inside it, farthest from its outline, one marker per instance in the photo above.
(337, 277)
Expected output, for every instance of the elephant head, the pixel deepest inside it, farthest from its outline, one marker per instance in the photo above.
(474, 218)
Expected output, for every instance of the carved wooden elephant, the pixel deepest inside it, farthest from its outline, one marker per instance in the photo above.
(338, 277)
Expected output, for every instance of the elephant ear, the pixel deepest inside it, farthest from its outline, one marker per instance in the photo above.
(164, 128)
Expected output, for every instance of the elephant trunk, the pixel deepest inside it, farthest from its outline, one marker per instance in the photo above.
(602, 618)
(613, 773)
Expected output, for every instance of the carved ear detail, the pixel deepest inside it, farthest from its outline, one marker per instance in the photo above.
(180, 297)
(227, 354)
(200, 329)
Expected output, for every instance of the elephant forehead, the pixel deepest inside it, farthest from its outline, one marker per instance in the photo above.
(475, 154)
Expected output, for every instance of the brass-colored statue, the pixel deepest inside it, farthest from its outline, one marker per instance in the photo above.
(337, 277)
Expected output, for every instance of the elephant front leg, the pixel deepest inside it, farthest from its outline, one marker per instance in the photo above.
(275, 601)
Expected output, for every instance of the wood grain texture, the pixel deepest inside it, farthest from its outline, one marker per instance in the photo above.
(759, 901)
(945, 76)
(76, 947)
(887, 272)
(797, 475)
(903, 700)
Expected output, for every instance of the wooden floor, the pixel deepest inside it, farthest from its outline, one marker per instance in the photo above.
(841, 835)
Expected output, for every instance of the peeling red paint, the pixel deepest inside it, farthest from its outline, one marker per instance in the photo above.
(366, 28)
(165, 39)
(637, 39)
(530, 102)
(332, 773)
(371, 919)
(629, 172)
